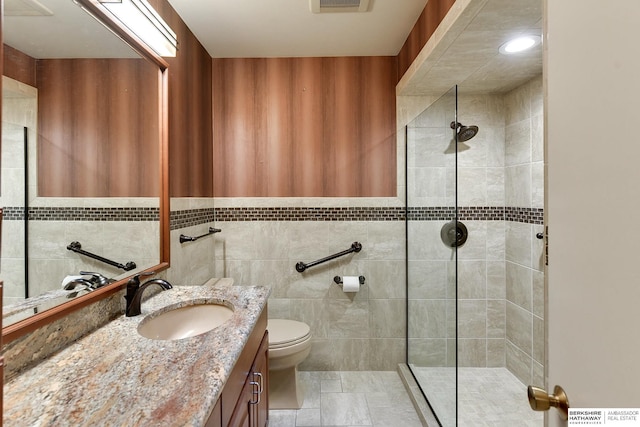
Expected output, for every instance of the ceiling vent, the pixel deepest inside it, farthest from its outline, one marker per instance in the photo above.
(25, 8)
(334, 6)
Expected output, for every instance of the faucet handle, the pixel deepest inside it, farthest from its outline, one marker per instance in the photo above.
(99, 279)
(135, 280)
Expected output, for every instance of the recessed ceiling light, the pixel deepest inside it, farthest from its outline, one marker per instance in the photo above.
(519, 44)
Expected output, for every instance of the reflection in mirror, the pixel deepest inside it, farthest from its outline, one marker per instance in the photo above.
(80, 154)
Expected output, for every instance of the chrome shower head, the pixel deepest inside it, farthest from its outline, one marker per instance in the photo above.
(465, 133)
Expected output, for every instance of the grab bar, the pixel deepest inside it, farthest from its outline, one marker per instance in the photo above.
(355, 247)
(184, 238)
(77, 247)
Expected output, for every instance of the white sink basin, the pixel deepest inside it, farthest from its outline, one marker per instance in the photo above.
(184, 322)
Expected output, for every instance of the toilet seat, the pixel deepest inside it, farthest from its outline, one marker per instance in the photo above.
(287, 333)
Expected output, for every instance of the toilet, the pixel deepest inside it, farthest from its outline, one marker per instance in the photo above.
(289, 345)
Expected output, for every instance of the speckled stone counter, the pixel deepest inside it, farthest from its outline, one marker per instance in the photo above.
(115, 377)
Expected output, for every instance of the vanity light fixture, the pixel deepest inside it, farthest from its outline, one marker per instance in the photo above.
(520, 44)
(140, 17)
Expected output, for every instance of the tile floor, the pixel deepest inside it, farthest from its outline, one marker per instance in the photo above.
(363, 398)
(488, 397)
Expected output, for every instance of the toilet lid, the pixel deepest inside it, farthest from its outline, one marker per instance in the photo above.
(283, 332)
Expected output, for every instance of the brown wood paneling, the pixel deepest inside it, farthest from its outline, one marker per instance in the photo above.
(235, 127)
(303, 127)
(276, 142)
(307, 136)
(97, 134)
(19, 66)
(378, 156)
(433, 13)
(342, 126)
(190, 111)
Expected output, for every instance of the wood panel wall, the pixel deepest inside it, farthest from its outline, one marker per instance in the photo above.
(97, 128)
(19, 66)
(305, 127)
(433, 13)
(191, 162)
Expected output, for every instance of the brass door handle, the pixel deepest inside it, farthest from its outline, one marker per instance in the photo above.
(540, 400)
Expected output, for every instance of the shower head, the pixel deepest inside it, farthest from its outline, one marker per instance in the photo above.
(465, 133)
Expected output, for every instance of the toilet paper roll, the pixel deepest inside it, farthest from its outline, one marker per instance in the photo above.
(350, 284)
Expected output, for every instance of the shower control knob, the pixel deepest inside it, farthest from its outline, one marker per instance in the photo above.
(539, 236)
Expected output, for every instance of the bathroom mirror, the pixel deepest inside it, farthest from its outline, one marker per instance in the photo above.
(85, 123)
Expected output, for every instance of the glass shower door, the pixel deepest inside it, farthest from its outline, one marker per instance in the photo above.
(431, 196)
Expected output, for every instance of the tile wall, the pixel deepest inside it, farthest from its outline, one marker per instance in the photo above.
(500, 268)
(524, 253)
(192, 262)
(263, 239)
(481, 278)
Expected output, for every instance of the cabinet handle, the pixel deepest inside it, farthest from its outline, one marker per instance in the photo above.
(259, 375)
(258, 384)
(255, 393)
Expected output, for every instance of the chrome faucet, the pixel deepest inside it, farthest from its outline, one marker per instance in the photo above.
(69, 286)
(97, 279)
(135, 289)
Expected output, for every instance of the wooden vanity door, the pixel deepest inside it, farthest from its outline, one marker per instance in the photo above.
(259, 411)
(252, 409)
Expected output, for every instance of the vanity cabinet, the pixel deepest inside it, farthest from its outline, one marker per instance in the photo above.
(244, 401)
(253, 404)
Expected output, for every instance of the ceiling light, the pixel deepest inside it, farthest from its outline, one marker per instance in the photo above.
(144, 21)
(519, 44)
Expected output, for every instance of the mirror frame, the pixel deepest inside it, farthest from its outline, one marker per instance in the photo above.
(94, 8)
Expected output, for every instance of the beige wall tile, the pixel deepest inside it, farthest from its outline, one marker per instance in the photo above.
(472, 319)
(472, 353)
(387, 318)
(519, 285)
(428, 352)
(518, 363)
(519, 328)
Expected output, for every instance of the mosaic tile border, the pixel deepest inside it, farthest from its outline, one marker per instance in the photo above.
(311, 214)
(83, 214)
(191, 217)
(526, 215)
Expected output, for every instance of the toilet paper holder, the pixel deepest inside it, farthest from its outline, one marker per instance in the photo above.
(338, 280)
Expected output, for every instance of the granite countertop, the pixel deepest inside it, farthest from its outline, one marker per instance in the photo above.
(114, 376)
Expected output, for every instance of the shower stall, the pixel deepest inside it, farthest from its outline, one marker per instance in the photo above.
(475, 265)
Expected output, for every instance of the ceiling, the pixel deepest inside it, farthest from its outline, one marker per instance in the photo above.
(288, 28)
(467, 55)
(58, 29)
(463, 51)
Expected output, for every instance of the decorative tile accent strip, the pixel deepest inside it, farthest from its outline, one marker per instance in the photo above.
(190, 217)
(481, 213)
(187, 218)
(526, 215)
(440, 213)
(12, 213)
(83, 214)
(311, 214)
